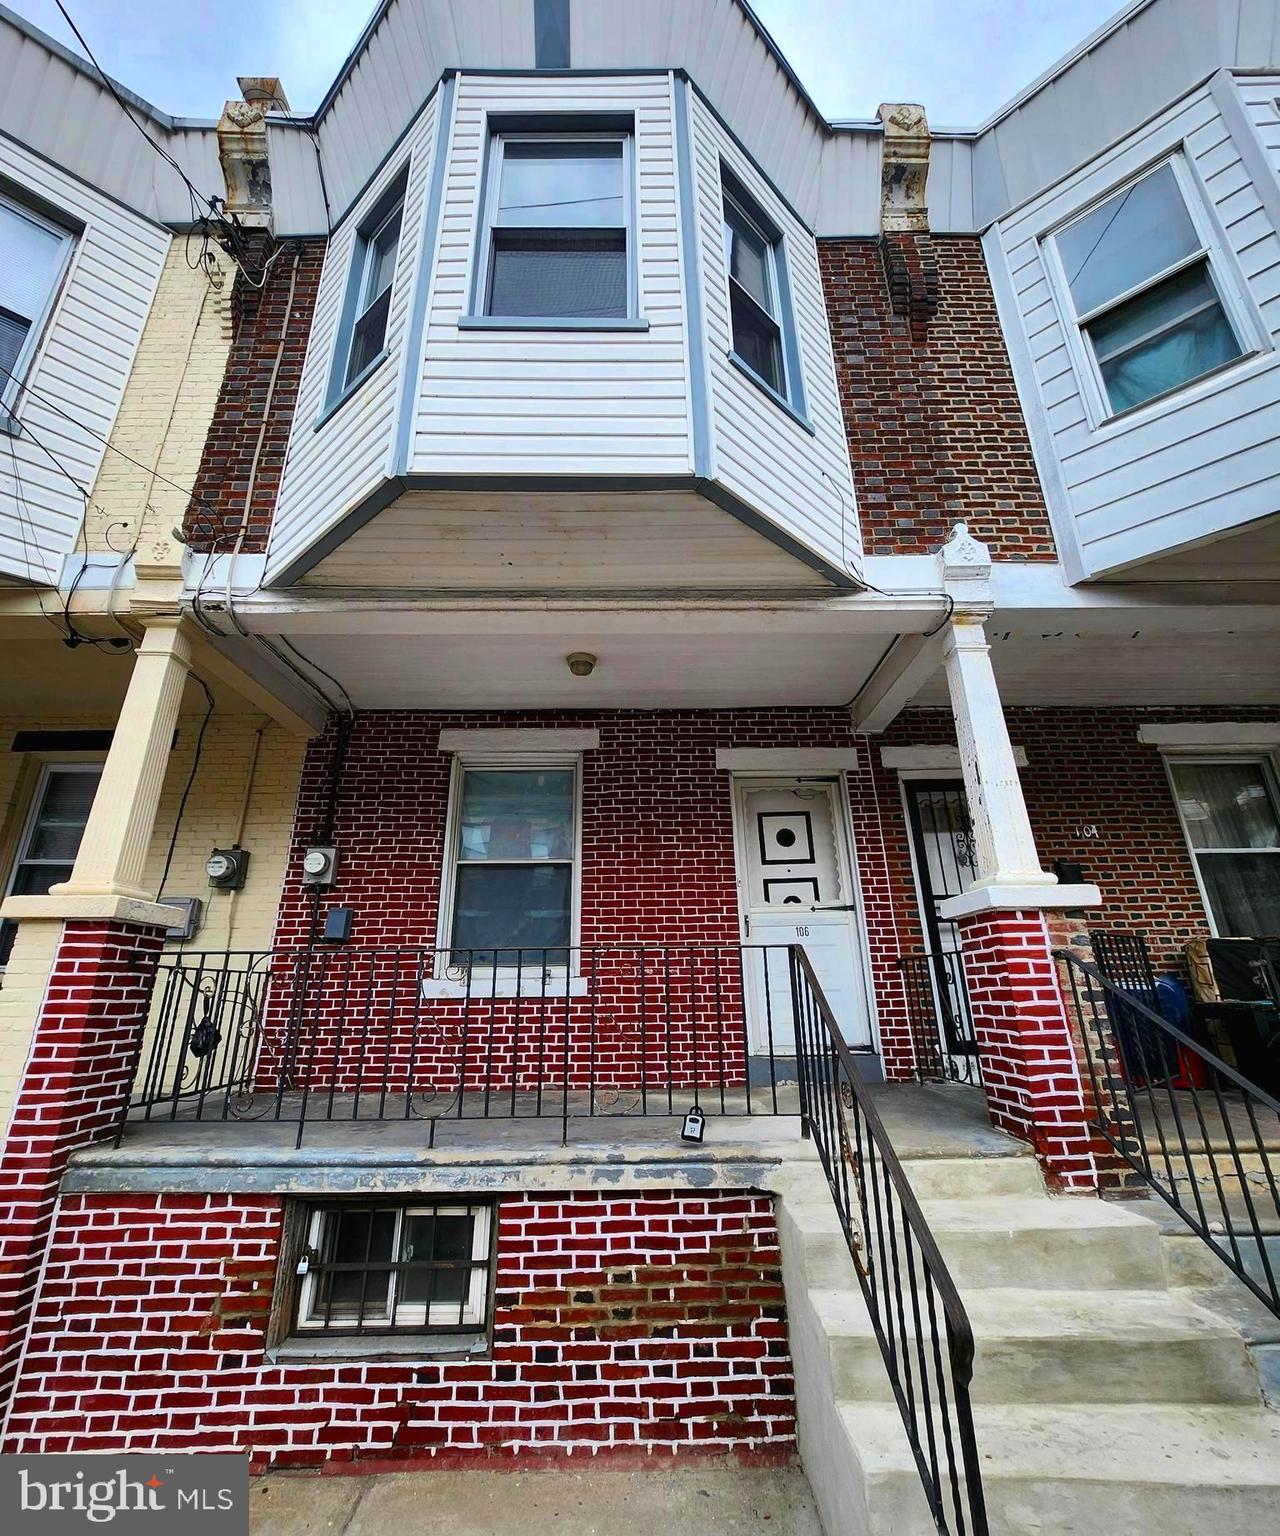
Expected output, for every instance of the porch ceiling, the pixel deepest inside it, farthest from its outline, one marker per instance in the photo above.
(1154, 667)
(644, 661)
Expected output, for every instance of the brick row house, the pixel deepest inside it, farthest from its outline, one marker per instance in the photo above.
(573, 625)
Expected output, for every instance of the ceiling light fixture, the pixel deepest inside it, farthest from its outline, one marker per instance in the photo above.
(581, 663)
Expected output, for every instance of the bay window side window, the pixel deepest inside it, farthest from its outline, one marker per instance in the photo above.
(362, 335)
(762, 329)
(34, 253)
(1140, 283)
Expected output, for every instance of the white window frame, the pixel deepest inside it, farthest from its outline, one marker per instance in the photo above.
(11, 388)
(474, 1314)
(47, 770)
(1223, 277)
(1271, 779)
(516, 762)
(770, 239)
(355, 300)
(498, 140)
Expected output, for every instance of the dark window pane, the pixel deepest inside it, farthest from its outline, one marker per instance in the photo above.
(348, 1297)
(59, 826)
(517, 815)
(36, 879)
(13, 332)
(502, 907)
(1164, 337)
(382, 257)
(558, 186)
(441, 1238)
(567, 275)
(370, 334)
(1244, 892)
(756, 339)
(1227, 805)
(8, 932)
(1131, 237)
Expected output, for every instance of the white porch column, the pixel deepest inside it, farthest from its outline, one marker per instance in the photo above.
(116, 837)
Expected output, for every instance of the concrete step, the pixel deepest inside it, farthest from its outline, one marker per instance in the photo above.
(1057, 1244)
(1046, 1346)
(960, 1178)
(1145, 1470)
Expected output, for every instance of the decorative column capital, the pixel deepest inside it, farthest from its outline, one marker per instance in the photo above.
(964, 571)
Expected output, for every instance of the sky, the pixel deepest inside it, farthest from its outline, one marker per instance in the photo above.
(961, 58)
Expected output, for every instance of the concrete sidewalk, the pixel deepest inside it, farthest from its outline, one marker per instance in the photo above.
(653, 1501)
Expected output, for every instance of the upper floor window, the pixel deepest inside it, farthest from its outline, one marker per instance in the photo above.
(1230, 812)
(373, 275)
(33, 256)
(1140, 278)
(557, 237)
(759, 301)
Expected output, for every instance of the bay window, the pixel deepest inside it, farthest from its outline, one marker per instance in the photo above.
(1230, 813)
(1140, 283)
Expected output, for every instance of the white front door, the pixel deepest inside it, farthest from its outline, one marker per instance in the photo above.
(794, 873)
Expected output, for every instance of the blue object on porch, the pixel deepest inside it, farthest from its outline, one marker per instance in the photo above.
(1173, 1002)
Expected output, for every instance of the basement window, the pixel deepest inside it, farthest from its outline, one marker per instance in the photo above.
(1140, 281)
(380, 1270)
(34, 253)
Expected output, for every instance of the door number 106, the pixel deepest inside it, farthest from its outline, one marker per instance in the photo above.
(802, 930)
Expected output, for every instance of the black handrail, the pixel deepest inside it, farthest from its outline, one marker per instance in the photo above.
(903, 1276)
(1165, 1103)
(940, 1018)
(398, 1032)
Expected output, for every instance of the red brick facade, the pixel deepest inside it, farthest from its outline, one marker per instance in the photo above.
(936, 432)
(282, 306)
(649, 1323)
(72, 1091)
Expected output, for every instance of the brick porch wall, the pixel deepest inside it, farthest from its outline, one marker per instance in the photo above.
(72, 1090)
(649, 1323)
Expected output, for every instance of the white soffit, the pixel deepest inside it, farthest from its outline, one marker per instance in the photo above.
(1235, 735)
(787, 759)
(918, 759)
(515, 739)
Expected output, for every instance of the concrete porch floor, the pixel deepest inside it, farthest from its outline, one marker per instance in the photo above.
(655, 1500)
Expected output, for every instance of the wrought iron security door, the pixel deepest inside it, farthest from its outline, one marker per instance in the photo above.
(942, 840)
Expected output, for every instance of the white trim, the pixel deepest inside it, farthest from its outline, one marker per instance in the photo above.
(1234, 735)
(38, 323)
(788, 761)
(514, 739)
(1019, 898)
(933, 759)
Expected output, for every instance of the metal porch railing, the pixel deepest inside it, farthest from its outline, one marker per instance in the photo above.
(1202, 1136)
(920, 1322)
(939, 1016)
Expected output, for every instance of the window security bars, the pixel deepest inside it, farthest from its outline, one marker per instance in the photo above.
(1201, 1135)
(450, 1035)
(388, 1269)
(919, 1320)
(940, 1018)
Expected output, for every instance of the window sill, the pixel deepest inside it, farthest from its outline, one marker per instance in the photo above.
(362, 377)
(549, 323)
(779, 400)
(483, 985)
(408, 1346)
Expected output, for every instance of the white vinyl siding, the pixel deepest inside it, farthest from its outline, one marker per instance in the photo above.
(330, 470)
(800, 480)
(557, 402)
(1201, 460)
(76, 372)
